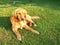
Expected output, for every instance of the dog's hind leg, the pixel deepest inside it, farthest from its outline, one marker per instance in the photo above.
(35, 17)
(16, 32)
(32, 30)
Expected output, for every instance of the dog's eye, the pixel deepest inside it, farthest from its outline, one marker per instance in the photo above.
(19, 13)
(25, 16)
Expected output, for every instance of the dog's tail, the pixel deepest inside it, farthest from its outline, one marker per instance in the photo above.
(35, 17)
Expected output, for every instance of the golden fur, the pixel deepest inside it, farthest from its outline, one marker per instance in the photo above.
(20, 19)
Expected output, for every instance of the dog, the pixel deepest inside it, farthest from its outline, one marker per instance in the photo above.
(21, 19)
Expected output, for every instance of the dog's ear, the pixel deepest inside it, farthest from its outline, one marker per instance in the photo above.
(15, 12)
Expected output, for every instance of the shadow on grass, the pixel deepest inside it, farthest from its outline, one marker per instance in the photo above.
(5, 22)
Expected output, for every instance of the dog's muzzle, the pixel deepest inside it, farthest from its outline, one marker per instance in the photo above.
(22, 19)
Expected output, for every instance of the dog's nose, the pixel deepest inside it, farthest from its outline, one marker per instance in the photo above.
(22, 19)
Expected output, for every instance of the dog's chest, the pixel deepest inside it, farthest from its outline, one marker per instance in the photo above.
(20, 24)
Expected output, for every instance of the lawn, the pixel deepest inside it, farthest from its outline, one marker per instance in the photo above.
(48, 25)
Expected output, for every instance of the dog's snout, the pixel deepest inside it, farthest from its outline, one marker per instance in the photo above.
(22, 19)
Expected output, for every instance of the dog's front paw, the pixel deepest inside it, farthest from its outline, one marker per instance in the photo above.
(35, 25)
(19, 38)
(37, 32)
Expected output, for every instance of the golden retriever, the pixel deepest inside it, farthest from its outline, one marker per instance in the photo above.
(20, 19)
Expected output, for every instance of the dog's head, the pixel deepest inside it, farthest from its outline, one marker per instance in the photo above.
(21, 13)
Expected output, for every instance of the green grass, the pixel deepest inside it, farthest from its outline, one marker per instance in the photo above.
(48, 24)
